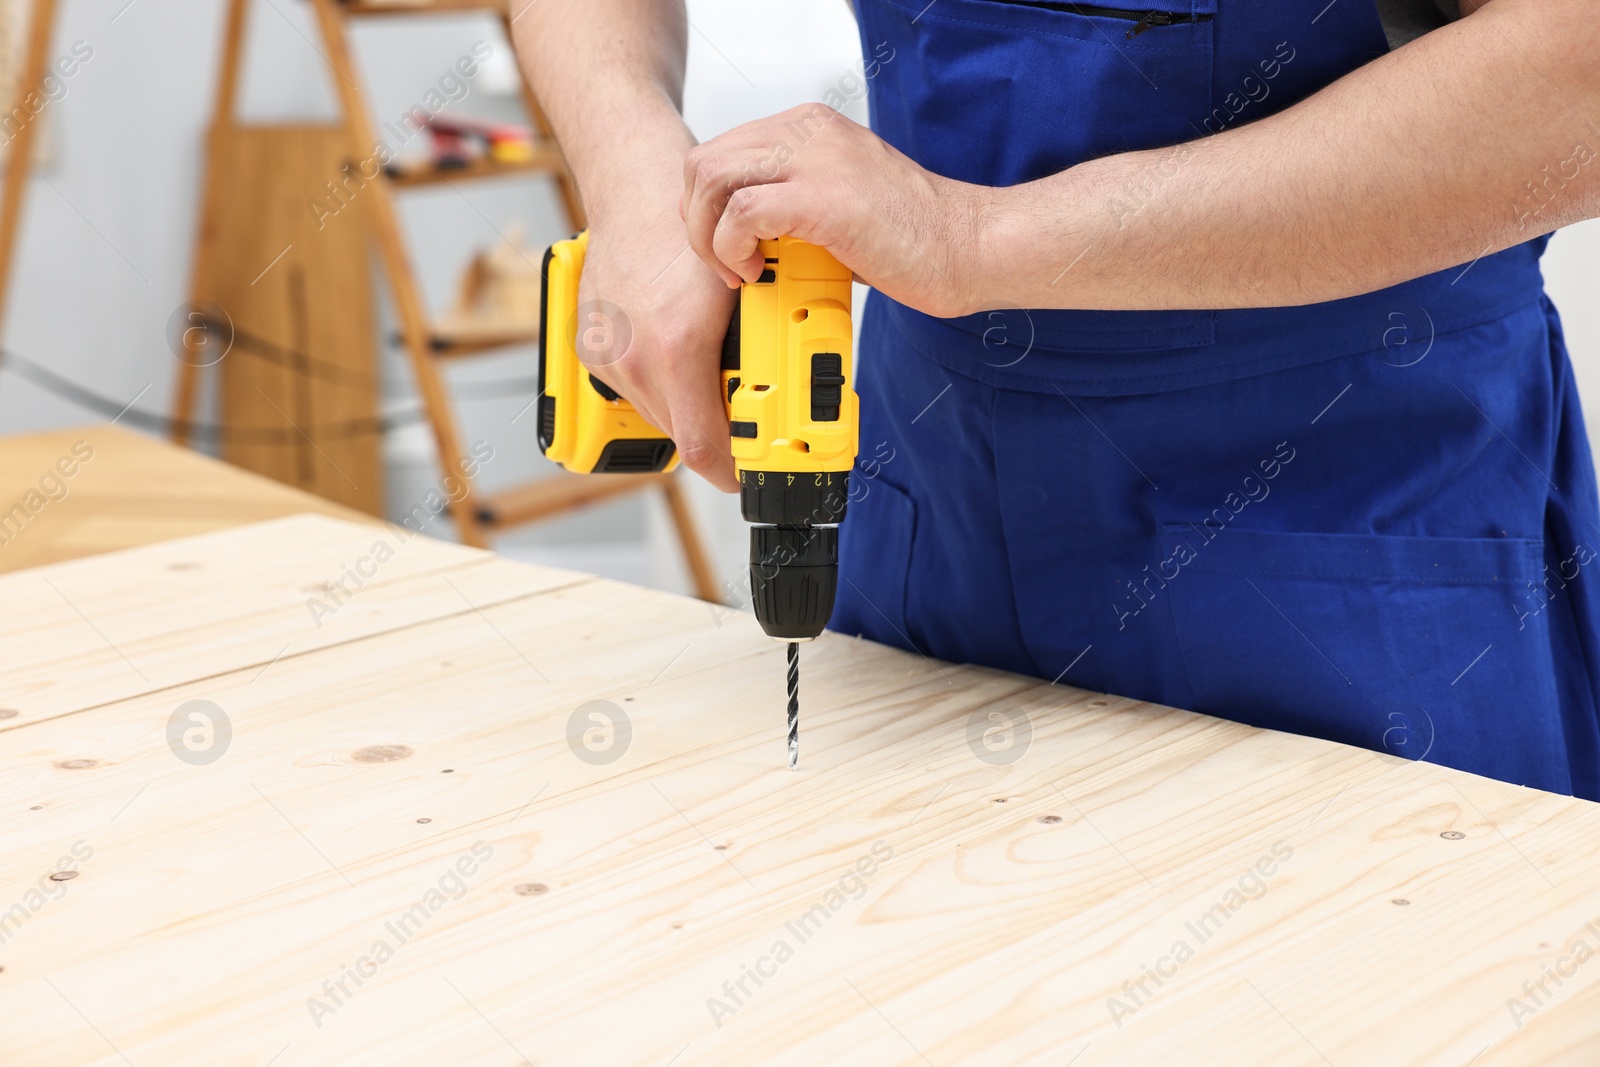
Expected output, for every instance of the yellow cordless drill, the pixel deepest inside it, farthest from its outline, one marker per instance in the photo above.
(793, 419)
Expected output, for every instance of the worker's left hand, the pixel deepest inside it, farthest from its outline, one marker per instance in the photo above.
(814, 174)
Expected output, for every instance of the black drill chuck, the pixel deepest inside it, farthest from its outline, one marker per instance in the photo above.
(794, 548)
(794, 574)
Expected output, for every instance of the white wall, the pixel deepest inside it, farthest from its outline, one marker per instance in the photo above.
(109, 224)
(1572, 278)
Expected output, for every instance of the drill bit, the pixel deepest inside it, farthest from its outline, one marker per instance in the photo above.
(794, 705)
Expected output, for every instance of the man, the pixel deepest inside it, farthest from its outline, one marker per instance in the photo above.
(1286, 433)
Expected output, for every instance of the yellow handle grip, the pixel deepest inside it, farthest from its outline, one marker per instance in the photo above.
(787, 381)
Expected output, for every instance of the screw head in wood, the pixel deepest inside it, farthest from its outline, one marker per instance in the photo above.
(381, 753)
(1049, 818)
(424, 820)
(1452, 835)
(530, 889)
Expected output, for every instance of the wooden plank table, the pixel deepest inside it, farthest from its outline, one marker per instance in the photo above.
(477, 812)
(125, 489)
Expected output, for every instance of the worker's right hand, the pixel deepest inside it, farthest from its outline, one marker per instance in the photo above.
(652, 316)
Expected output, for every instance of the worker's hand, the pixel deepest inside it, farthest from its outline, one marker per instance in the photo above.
(814, 174)
(651, 322)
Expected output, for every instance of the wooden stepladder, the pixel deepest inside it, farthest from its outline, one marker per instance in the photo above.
(478, 515)
(19, 150)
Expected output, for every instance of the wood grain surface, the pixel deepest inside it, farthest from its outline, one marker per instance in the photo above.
(131, 490)
(418, 846)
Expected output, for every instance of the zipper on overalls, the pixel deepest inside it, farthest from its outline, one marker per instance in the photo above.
(1142, 20)
(1154, 18)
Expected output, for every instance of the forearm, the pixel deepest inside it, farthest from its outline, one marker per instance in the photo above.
(609, 75)
(1411, 164)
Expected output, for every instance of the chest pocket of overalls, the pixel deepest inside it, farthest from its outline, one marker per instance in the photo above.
(1001, 92)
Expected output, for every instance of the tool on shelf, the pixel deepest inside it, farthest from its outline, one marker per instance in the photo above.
(498, 292)
(457, 142)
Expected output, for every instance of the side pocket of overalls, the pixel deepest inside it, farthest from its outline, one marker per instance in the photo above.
(1424, 647)
(874, 560)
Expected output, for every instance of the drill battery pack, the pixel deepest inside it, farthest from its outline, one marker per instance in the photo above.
(583, 424)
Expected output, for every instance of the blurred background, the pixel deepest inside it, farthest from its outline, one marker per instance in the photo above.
(105, 248)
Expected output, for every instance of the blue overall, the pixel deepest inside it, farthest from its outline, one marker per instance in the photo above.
(1372, 520)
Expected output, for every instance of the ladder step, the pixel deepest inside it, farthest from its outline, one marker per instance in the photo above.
(546, 159)
(418, 7)
(559, 493)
